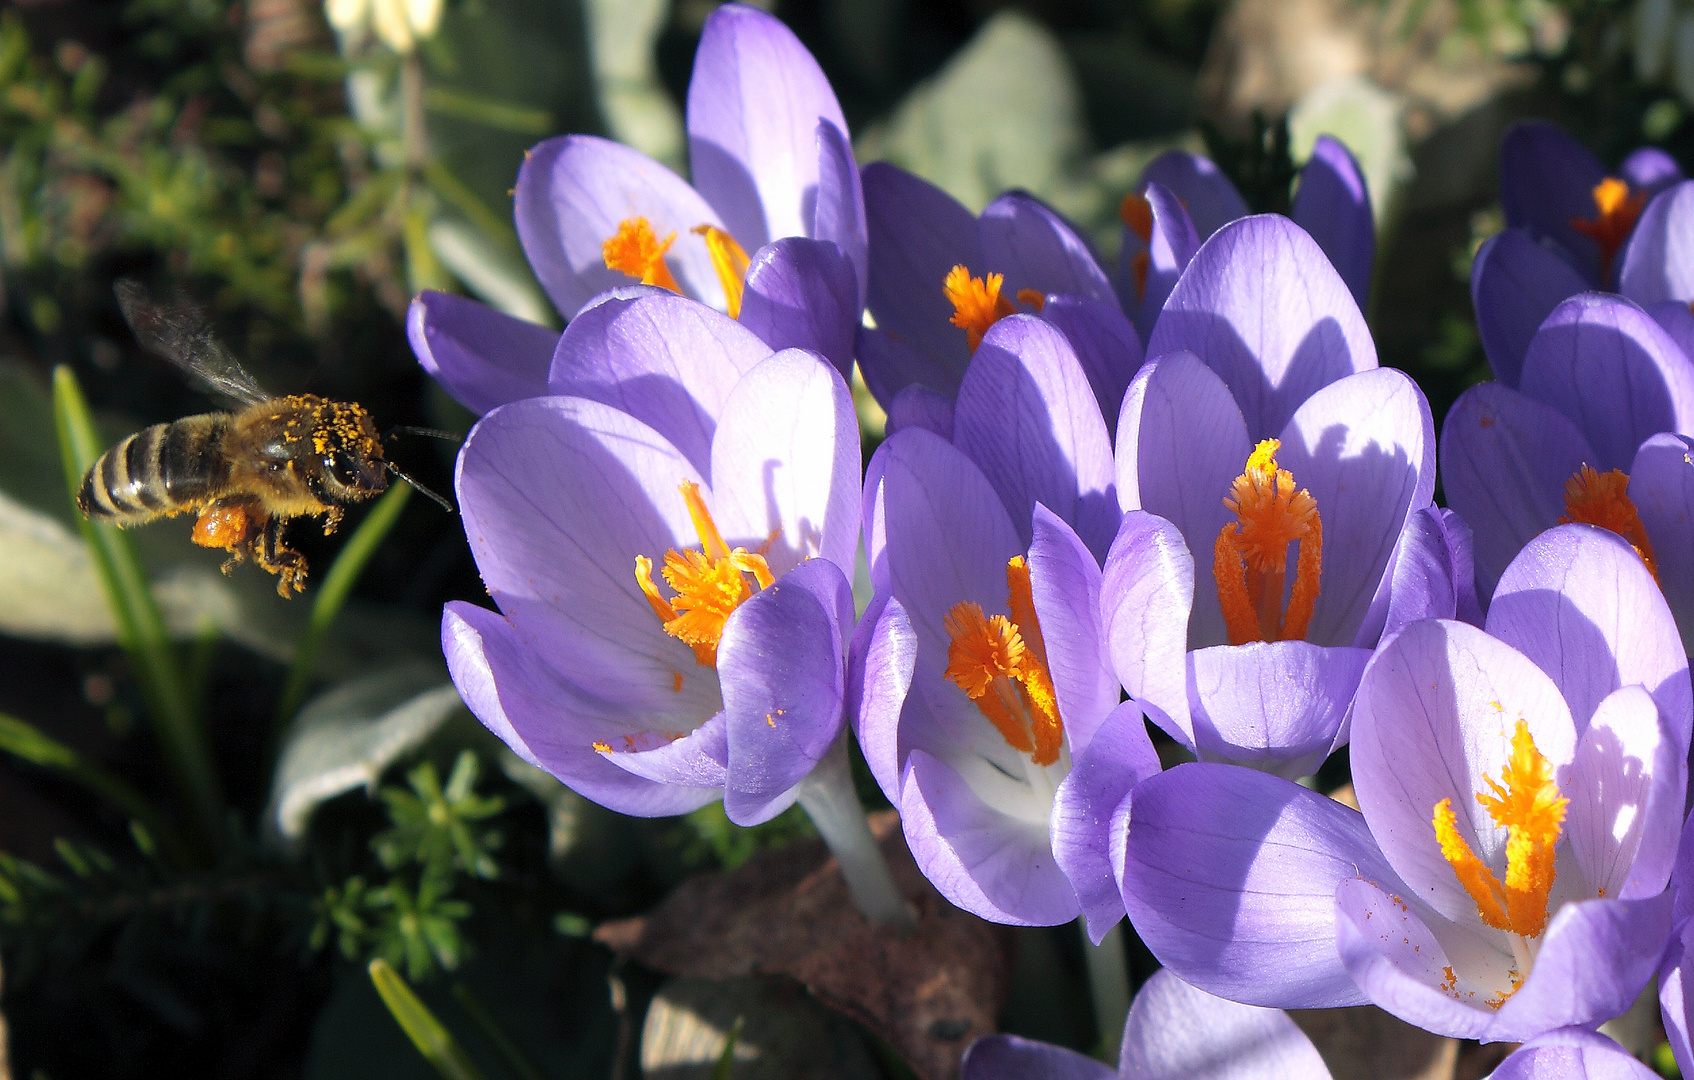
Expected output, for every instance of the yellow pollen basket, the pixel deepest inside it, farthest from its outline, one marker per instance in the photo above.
(709, 583)
(1001, 664)
(1615, 213)
(1525, 801)
(977, 303)
(730, 261)
(1597, 498)
(637, 251)
(1250, 557)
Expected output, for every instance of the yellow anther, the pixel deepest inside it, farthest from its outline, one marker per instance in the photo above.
(729, 259)
(1526, 802)
(1250, 557)
(709, 583)
(1001, 664)
(977, 303)
(635, 250)
(1597, 498)
(1137, 213)
(1615, 213)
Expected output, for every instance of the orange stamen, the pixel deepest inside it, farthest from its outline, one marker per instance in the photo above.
(1616, 211)
(1032, 298)
(977, 303)
(1137, 213)
(638, 252)
(729, 259)
(709, 583)
(1001, 664)
(1139, 266)
(1525, 801)
(1596, 498)
(1250, 557)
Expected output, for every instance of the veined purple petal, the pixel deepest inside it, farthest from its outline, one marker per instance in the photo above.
(546, 720)
(1657, 263)
(1661, 485)
(1413, 746)
(1434, 576)
(1101, 777)
(884, 650)
(786, 462)
(1176, 1032)
(665, 360)
(1515, 283)
(1146, 589)
(1275, 706)
(1595, 957)
(559, 495)
(1505, 459)
(801, 294)
(1674, 999)
(1170, 247)
(1105, 345)
(1579, 603)
(754, 102)
(1037, 249)
(1650, 169)
(890, 363)
(1608, 366)
(1211, 199)
(917, 234)
(1230, 877)
(1009, 1057)
(981, 859)
(1677, 320)
(1546, 179)
(1262, 307)
(1625, 788)
(1334, 205)
(695, 760)
(572, 193)
(482, 357)
(920, 407)
(1364, 446)
(1572, 1054)
(781, 664)
(840, 212)
(1027, 416)
(1181, 442)
(1065, 585)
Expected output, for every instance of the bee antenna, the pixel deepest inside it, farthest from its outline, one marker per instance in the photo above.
(439, 501)
(434, 433)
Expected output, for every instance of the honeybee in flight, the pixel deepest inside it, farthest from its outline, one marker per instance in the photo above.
(244, 473)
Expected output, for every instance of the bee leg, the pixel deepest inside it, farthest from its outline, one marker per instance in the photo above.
(287, 564)
(232, 526)
(335, 514)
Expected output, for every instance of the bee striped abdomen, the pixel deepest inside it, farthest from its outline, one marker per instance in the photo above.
(158, 470)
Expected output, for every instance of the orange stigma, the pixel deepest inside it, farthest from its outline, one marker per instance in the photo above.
(638, 252)
(1001, 664)
(729, 259)
(1250, 557)
(1597, 498)
(709, 583)
(1615, 213)
(977, 303)
(1137, 213)
(1526, 802)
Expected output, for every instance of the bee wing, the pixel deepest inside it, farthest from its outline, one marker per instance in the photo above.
(181, 334)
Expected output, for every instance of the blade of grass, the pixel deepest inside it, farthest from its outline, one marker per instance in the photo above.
(432, 1039)
(25, 741)
(326, 605)
(497, 1036)
(726, 1060)
(141, 629)
(488, 111)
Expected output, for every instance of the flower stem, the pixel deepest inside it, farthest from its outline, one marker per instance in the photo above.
(828, 796)
(1108, 986)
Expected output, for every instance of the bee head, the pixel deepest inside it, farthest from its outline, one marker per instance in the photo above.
(345, 442)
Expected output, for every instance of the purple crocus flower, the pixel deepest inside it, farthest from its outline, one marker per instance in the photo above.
(774, 175)
(669, 546)
(941, 276)
(980, 720)
(1597, 430)
(1297, 479)
(1521, 789)
(1175, 1032)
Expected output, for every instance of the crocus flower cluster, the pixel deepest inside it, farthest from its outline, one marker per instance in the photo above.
(1177, 497)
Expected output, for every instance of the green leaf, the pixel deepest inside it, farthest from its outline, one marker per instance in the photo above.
(488, 111)
(428, 1034)
(726, 1060)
